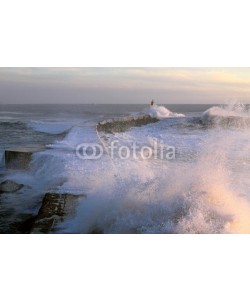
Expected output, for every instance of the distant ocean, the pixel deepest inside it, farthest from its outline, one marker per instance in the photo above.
(205, 188)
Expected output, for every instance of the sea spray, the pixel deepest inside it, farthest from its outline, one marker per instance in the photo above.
(161, 112)
(231, 115)
(204, 190)
(193, 196)
(217, 206)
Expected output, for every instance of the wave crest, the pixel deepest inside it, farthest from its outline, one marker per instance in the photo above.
(235, 115)
(161, 112)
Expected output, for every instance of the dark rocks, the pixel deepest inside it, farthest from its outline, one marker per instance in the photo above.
(55, 208)
(24, 226)
(9, 186)
(20, 158)
(96, 230)
(123, 124)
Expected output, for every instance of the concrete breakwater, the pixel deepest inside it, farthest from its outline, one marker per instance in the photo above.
(20, 158)
(54, 210)
(123, 124)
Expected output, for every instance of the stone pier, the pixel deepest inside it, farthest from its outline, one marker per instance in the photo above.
(20, 158)
(55, 209)
(123, 124)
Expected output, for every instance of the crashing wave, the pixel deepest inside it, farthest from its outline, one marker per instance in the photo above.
(230, 115)
(161, 112)
(50, 127)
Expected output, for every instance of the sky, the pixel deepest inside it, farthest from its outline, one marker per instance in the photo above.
(124, 85)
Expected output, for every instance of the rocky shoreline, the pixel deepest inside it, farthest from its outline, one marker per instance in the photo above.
(54, 210)
(55, 207)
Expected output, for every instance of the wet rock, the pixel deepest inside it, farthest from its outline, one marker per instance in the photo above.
(123, 124)
(9, 186)
(24, 226)
(20, 158)
(96, 230)
(54, 209)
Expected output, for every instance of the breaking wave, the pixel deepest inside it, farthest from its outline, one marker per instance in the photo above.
(139, 198)
(161, 112)
(202, 195)
(206, 192)
(236, 115)
(50, 127)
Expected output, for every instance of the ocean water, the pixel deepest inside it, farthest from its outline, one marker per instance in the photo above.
(202, 188)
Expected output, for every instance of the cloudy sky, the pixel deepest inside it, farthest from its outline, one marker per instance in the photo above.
(124, 85)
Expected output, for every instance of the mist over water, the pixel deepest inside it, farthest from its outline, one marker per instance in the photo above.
(205, 189)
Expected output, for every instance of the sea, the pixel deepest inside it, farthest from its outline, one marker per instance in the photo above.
(187, 173)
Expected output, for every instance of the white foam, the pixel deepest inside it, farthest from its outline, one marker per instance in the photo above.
(196, 196)
(234, 113)
(77, 135)
(161, 112)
